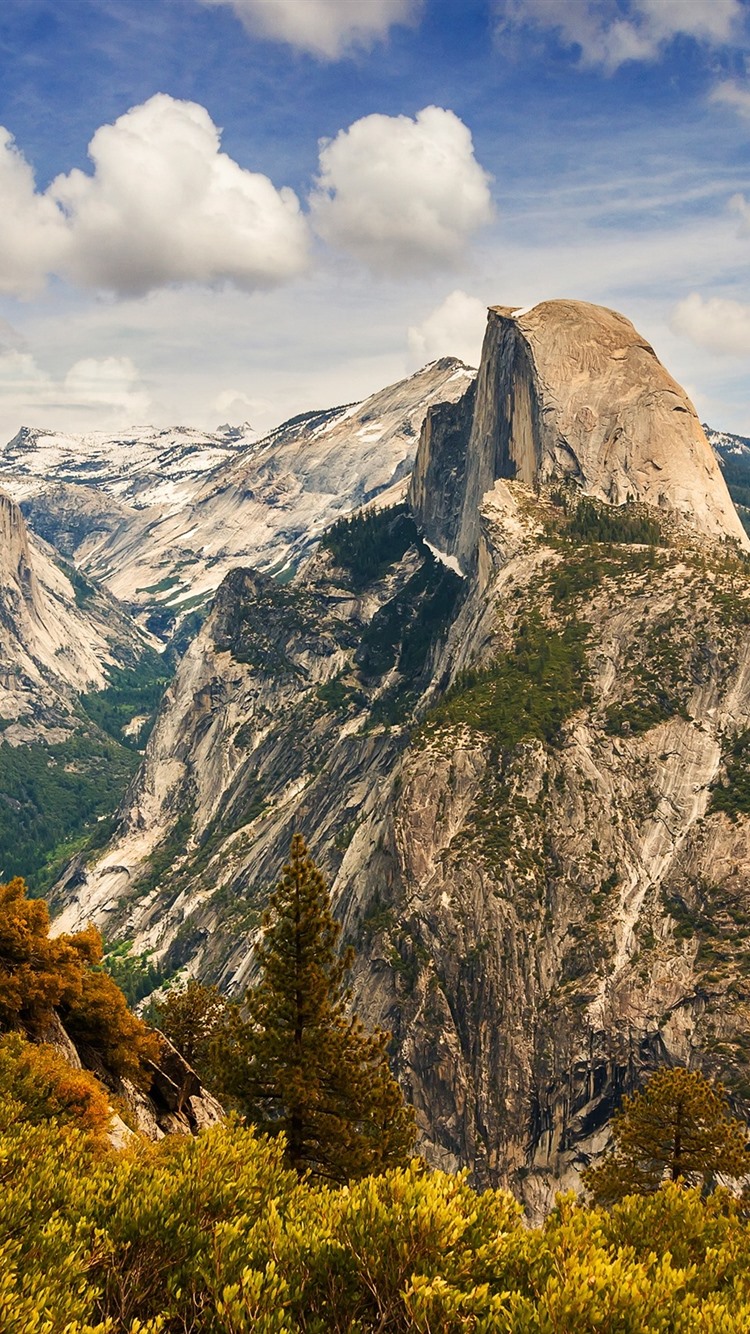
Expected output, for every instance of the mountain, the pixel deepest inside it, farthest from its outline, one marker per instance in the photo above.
(733, 453)
(67, 650)
(160, 517)
(511, 719)
(60, 637)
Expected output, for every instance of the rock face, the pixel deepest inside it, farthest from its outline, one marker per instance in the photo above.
(571, 391)
(160, 517)
(528, 785)
(56, 640)
(176, 1104)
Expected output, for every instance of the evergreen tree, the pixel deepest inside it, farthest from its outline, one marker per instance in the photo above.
(677, 1128)
(300, 1063)
(194, 1018)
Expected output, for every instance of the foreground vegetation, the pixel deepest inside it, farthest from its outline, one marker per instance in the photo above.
(234, 1231)
(216, 1236)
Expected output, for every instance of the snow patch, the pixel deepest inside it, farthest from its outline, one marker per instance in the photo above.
(450, 562)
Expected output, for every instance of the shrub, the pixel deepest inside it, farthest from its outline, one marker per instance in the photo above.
(40, 975)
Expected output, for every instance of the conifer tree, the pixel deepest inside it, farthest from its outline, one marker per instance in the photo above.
(300, 1063)
(677, 1128)
(194, 1018)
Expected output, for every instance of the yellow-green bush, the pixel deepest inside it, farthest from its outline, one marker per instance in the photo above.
(214, 1235)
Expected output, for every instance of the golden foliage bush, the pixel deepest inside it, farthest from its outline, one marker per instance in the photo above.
(40, 975)
(38, 1085)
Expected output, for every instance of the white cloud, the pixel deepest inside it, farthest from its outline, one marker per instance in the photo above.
(108, 389)
(455, 328)
(732, 94)
(163, 205)
(740, 207)
(609, 35)
(166, 205)
(402, 195)
(717, 324)
(327, 28)
(32, 231)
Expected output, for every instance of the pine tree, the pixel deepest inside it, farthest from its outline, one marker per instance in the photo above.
(678, 1128)
(299, 1063)
(194, 1018)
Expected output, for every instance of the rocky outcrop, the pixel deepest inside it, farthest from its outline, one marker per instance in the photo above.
(175, 1104)
(528, 786)
(568, 391)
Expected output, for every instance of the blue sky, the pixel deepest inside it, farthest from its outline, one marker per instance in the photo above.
(385, 170)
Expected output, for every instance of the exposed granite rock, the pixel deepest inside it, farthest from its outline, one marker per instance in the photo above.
(568, 391)
(159, 517)
(53, 643)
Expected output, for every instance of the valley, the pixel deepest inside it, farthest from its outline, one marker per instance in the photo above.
(507, 711)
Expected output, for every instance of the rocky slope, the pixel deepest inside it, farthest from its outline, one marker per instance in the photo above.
(529, 782)
(160, 518)
(59, 636)
(63, 646)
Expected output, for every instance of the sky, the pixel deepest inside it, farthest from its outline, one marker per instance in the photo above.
(236, 210)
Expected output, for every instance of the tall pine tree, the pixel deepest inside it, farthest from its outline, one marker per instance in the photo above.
(299, 1062)
(677, 1128)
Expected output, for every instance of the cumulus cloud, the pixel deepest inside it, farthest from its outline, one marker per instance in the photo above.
(32, 231)
(163, 205)
(455, 328)
(328, 28)
(717, 324)
(608, 34)
(401, 195)
(166, 205)
(111, 387)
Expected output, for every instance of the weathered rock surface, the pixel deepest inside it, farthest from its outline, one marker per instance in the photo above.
(568, 390)
(56, 640)
(528, 786)
(176, 1103)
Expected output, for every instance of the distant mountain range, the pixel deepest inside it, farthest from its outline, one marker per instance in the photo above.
(733, 453)
(159, 517)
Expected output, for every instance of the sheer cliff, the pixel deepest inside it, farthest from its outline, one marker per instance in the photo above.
(529, 782)
(569, 391)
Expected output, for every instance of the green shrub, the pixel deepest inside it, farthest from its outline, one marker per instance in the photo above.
(528, 692)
